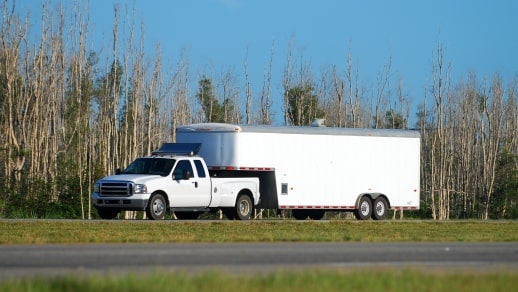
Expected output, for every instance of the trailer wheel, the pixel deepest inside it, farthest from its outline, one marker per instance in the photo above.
(299, 214)
(107, 214)
(364, 210)
(317, 214)
(380, 209)
(244, 207)
(156, 207)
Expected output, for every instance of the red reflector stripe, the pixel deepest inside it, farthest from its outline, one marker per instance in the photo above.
(404, 208)
(244, 168)
(316, 207)
(336, 207)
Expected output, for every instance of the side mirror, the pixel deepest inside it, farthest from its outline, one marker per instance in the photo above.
(118, 171)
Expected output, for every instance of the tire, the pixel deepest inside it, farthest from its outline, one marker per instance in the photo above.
(187, 215)
(156, 208)
(107, 214)
(244, 207)
(380, 209)
(364, 211)
(317, 214)
(299, 214)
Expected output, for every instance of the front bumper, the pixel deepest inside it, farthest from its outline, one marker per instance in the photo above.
(133, 203)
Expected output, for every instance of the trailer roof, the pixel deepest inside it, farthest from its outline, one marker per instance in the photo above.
(226, 128)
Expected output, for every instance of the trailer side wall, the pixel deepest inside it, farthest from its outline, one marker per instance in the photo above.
(327, 169)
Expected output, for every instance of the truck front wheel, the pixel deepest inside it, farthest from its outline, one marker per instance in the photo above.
(244, 207)
(156, 207)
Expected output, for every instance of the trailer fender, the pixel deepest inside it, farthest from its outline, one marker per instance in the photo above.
(358, 199)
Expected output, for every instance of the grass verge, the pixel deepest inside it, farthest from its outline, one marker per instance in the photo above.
(51, 232)
(315, 280)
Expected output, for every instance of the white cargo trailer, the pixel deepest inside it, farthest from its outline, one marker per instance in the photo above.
(311, 170)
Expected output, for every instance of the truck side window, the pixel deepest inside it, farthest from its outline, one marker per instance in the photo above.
(181, 168)
(199, 168)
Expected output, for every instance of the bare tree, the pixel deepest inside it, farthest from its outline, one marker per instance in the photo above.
(181, 112)
(248, 91)
(439, 159)
(492, 117)
(286, 83)
(265, 102)
(382, 94)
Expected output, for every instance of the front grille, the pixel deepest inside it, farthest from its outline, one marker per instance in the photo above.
(116, 189)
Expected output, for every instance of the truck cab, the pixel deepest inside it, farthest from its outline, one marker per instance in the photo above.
(172, 179)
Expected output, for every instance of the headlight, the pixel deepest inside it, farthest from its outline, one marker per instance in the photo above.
(139, 189)
(97, 187)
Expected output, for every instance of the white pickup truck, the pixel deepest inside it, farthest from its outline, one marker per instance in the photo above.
(173, 178)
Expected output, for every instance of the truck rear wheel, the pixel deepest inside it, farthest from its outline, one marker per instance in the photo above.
(244, 207)
(157, 207)
(380, 209)
(364, 210)
(107, 214)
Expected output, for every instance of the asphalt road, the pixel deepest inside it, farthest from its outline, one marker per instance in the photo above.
(48, 260)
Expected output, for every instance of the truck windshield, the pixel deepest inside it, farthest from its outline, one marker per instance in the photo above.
(150, 165)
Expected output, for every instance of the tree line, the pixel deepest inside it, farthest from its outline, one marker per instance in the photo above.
(70, 114)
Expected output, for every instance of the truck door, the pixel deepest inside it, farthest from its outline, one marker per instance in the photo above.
(203, 183)
(185, 190)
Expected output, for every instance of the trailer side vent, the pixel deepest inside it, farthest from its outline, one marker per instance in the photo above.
(284, 188)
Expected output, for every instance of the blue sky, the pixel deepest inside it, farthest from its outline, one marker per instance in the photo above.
(478, 36)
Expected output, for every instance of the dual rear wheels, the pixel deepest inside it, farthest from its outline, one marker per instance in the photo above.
(367, 208)
(376, 209)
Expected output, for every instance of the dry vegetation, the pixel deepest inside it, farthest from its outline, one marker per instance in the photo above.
(70, 114)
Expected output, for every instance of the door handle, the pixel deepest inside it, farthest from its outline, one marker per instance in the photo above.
(195, 184)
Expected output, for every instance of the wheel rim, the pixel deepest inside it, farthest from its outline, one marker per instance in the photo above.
(158, 207)
(364, 208)
(244, 207)
(380, 208)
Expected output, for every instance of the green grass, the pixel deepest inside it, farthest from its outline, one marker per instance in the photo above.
(46, 232)
(315, 280)
(373, 279)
